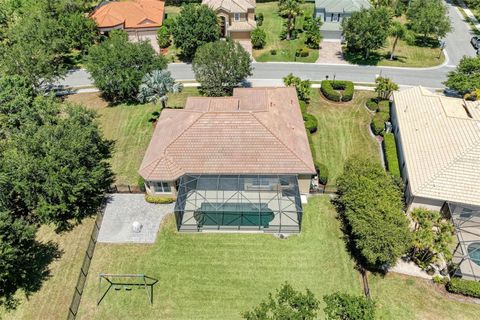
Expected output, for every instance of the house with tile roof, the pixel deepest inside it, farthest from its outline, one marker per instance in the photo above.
(332, 12)
(139, 18)
(244, 159)
(438, 142)
(237, 17)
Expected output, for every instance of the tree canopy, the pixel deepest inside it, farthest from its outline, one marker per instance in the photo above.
(341, 306)
(367, 30)
(155, 86)
(370, 202)
(220, 66)
(466, 76)
(303, 87)
(385, 87)
(194, 26)
(429, 18)
(287, 303)
(117, 66)
(41, 37)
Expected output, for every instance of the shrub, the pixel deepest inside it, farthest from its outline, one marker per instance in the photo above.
(372, 104)
(302, 52)
(378, 123)
(329, 89)
(159, 199)
(438, 279)
(259, 19)
(329, 92)
(311, 123)
(341, 306)
(303, 106)
(302, 86)
(390, 149)
(141, 183)
(371, 205)
(384, 106)
(258, 38)
(322, 172)
(164, 37)
(273, 52)
(465, 287)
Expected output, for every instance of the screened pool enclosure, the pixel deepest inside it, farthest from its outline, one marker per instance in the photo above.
(269, 203)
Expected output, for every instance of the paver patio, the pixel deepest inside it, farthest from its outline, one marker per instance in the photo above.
(124, 209)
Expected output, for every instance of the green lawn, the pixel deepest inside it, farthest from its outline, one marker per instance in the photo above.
(53, 299)
(218, 276)
(401, 297)
(128, 125)
(342, 131)
(273, 25)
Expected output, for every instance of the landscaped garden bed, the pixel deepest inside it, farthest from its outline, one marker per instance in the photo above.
(337, 90)
(276, 49)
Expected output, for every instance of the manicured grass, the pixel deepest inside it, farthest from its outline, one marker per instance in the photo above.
(401, 297)
(53, 299)
(218, 276)
(342, 131)
(405, 56)
(128, 125)
(273, 25)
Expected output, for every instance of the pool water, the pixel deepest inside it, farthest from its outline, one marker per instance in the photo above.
(234, 214)
(474, 252)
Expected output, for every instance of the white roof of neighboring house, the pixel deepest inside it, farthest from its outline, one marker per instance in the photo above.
(441, 142)
(342, 5)
(231, 5)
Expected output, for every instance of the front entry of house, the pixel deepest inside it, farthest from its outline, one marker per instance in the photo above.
(223, 27)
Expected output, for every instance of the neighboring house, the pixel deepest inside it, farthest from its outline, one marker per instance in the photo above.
(438, 142)
(332, 12)
(234, 163)
(139, 18)
(237, 17)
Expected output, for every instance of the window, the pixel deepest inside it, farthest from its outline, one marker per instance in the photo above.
(236, 16)
(161, 187)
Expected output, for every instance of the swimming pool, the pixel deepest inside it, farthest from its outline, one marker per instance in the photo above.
(474, 252)
(234, 214)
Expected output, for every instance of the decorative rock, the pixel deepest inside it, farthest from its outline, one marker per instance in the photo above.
(136, 227)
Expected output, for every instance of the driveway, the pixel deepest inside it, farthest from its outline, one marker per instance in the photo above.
(331, 52)
(123, 210)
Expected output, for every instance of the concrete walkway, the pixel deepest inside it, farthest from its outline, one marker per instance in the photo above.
(122, 210)
(409, 268)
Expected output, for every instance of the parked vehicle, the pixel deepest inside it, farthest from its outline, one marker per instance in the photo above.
(475, 41)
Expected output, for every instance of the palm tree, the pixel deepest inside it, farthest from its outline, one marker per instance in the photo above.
(291, 9)
(155, 86)
(398, 31)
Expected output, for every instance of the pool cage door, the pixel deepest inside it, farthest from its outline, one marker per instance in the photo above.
(269, 203)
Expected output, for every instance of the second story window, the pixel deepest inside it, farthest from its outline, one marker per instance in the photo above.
(236, 16)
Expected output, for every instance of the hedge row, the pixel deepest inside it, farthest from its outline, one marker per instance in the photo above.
(322, 172)
(390, 149)
(329, 89)
(378, 123)
(159, 199)
(465, 287)
(311, 123)
(372, 104)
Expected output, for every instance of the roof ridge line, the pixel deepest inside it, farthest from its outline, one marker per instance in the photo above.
(446, 166)
(280, 140)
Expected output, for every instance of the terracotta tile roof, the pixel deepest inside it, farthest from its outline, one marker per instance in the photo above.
(129, 14)
(231, 5)
(257, 131)
(440, 138)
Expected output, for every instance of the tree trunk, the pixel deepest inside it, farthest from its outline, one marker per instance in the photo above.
(164, 104)
(393, 48)
(289, 26)
(367, 53)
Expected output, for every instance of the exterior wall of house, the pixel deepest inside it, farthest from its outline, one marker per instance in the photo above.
(430, 204)
(328, 16)
(304, 183)
(172, 184)
(150, 35)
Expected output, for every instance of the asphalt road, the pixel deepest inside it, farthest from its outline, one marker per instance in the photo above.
(457, 45)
